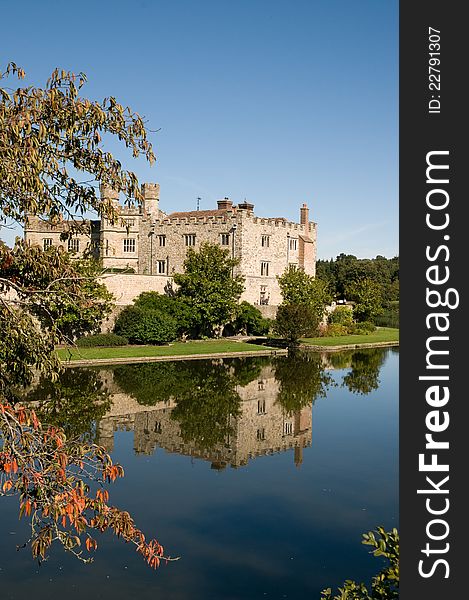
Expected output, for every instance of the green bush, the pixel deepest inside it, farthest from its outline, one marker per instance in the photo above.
(146, 326)
(173, 306)
(102, 339)
(336, 330)
(248, 321)
(342, 315)
(363, 328)
(389, 317)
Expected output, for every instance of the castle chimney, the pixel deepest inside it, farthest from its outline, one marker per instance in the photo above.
(246, 206)
(304, 215)
(225, 204)
(151, 199)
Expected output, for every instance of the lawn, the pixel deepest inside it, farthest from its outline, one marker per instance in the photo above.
(382, 334)
(176, 349)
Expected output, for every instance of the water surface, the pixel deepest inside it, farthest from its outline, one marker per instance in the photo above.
(261, 473)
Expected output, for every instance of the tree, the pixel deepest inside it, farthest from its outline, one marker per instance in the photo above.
(63, 293)
(303, 306)
(48, 133)
(210, 288)
(45, 135)
(346, 268)
(294, 321)
(298, 287)
(367, 295)
(384, 585)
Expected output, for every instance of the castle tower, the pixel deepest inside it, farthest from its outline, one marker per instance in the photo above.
(151, 199)
(108, 194)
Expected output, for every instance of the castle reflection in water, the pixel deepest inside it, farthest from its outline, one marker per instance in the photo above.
(262, 426)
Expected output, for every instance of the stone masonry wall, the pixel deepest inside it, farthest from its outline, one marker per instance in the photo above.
(155, 245)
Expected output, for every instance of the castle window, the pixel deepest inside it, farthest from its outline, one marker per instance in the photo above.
(157, 428)
(261, 407)
(129, 245)
(189, 239)
(128, 223)
(264, 268)
(74, 245)
(162, 240)
(293, 243)
(161, 265)
(261, 434)
(47, 243)
(261, 385)
(265, 241)
(288, 428)
(225, 239)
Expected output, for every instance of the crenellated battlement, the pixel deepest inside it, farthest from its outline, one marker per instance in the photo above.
(148, 242)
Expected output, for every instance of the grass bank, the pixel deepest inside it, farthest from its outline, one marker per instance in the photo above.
(382, 335)
(176, 349)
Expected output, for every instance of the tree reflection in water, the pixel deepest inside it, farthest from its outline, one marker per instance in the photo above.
(75, 402)
(365, 366)
(302, 378)
(207, 397)
(205, 393)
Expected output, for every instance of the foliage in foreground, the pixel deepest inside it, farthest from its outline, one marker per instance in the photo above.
(385, 584)
(60, 484)
(46, 298)
(52, 162)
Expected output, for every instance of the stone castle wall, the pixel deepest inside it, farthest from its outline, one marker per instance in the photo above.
(154, 245)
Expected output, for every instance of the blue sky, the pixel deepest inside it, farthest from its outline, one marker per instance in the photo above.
(278, 102)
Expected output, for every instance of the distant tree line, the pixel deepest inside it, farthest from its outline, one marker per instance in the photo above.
(345, 269)
(371, 283)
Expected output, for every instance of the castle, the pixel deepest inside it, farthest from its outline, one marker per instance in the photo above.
(151, 245)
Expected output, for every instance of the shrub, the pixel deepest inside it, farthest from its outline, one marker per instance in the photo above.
(102, 339)
(363, 328)
(389, 316)
(336, 330)
(146, 326)
(249, 321)
(342, 315)
(173, 306)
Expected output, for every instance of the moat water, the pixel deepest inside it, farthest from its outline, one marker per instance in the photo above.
(260, 473)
